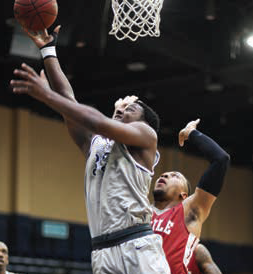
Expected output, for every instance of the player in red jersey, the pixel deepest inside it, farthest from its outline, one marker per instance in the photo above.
(202, 263)
(178, 217)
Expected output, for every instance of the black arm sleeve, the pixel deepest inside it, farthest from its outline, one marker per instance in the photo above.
(212, 180)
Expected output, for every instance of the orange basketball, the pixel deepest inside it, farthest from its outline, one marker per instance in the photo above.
(35, 15)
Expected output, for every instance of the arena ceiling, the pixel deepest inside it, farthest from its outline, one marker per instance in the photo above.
(196, 68)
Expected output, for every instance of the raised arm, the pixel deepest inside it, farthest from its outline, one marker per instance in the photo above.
(210, 184)
(47, 45)
(58, 81)
(205, 261)
(137, 134)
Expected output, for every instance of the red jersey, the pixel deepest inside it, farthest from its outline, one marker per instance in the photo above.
(193, 266)
(178, 242)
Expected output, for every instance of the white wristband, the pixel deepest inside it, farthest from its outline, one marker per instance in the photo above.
(48, 51)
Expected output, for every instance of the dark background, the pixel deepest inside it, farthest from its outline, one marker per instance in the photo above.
(197, 68)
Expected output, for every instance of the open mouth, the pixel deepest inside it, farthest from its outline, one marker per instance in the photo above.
(118, 117)
(161, 181)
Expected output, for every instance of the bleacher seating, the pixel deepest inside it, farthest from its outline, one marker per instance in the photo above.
(29, 265)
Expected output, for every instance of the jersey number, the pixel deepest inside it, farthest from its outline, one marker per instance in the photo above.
(100, 163)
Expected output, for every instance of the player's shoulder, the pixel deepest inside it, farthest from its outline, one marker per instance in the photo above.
(98, 140)
(201, 248)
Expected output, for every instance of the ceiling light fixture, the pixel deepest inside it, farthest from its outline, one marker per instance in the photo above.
(249, 41)
(136, 66)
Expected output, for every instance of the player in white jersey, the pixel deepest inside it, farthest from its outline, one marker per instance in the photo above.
(122, 155)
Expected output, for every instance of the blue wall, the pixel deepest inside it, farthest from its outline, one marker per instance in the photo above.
(23, 236)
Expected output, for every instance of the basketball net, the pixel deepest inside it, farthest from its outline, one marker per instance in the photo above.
(136, 18)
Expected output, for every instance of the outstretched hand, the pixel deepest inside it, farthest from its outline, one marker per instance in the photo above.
(32, 84)
(41, 38)
(185, 132)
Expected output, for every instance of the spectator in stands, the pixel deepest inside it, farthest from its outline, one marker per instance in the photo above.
(4, 258)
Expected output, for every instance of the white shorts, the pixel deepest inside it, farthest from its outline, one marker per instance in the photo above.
(143, 255)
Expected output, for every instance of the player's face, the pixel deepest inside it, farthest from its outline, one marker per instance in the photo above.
(172, 183)
(4, 260)
(129, 113)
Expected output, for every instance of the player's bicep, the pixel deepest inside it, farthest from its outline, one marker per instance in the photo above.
(201, 202)
(133, 134)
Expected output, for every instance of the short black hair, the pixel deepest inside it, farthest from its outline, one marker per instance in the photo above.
(150, 116)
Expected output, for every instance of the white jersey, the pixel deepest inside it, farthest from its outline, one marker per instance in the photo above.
(116, 188)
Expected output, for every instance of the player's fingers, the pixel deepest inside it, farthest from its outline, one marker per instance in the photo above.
(20, 86)
(134, 98)
(42, 74)
(18, 83)
(181, 142)
(57, 29)
(29, 69)
(193, 124)
(130, 99)
(20, 90)
(197, 121)
(23, 74)
(34, 33)
(181, 138)
(45, 33)
(30, 33)
(117, 103)
(189, 124)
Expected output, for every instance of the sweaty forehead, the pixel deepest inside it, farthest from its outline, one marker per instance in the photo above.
(180, 175)
(177, 172)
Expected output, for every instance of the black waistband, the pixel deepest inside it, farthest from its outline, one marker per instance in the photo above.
(119, 237)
